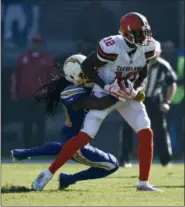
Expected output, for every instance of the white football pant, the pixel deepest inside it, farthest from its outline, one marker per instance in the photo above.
(133, 112)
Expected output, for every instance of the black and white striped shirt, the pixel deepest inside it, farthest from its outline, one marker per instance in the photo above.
(160, 76)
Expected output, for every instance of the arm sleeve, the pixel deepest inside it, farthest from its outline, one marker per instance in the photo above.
(72, 94)
(90, 66)
(104, 54)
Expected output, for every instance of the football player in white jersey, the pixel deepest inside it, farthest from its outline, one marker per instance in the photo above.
(125, 56)
(120, 57)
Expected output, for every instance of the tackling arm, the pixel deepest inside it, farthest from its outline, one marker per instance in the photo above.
(92, 102)
(140, 83)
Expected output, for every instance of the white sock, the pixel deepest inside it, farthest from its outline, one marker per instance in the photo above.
(142, 183)
(48, 173)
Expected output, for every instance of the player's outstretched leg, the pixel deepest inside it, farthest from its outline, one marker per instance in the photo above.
(101, 165)
(68, 150)
(48, 149)
(145, 154)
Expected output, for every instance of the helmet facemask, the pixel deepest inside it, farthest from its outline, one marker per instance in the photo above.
(82, 79)
(141, 37)
(74, 74)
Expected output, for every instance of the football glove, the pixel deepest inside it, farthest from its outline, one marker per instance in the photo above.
(114, 90)
(127, 90)
(140, 96)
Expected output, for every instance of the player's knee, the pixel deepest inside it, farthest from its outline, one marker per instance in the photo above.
(146, 137)
(146, 132)
(143, 123)
(91, 128)
(56, 145)
(113, 169)
(87, 134)
(114, 164)
(91, 134)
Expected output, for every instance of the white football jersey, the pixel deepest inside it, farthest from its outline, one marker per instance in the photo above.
(114, 51)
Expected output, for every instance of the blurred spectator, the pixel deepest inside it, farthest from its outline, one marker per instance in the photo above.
(33, 67)
(160, 89)
(16, 33)
(19, 36)
(94, 23)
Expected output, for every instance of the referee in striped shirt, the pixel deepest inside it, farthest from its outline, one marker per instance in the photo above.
(160, 88)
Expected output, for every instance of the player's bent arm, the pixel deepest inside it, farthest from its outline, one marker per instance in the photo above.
(88, 67)
(140, 83)
(92, 102)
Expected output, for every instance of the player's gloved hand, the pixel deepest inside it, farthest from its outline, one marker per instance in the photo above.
(140, 96)
(113, 89)
(165, 107)
(127, 89)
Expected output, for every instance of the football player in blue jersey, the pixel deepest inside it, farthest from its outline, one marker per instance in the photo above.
(76, 101)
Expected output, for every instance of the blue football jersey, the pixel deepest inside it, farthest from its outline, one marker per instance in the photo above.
(74, 119)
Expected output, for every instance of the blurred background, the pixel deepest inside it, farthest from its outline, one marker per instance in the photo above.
(56, 29)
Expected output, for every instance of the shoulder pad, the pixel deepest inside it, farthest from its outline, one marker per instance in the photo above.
(72, 93)
(150, 50)
(108, 49)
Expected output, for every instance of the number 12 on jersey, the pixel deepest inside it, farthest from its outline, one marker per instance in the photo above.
(109, 41)
(131, 76)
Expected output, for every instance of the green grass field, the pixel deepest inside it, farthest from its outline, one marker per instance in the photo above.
(117, 189)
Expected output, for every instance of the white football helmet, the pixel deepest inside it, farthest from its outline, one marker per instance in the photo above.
(72, 70)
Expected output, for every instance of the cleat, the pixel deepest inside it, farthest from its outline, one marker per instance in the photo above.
(148, 187)
(169, 165)
(16, 155)
(42, 180)
(64, 181)
(126, 164)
